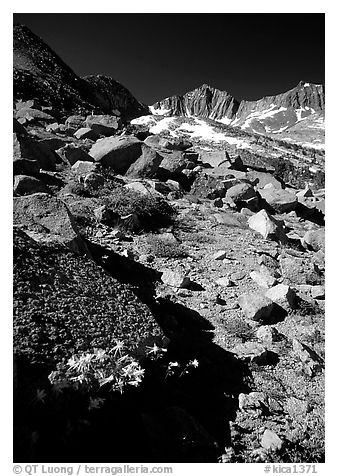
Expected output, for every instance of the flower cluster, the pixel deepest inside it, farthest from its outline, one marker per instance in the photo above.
(174, 368)
(155, 352)
(92, 370)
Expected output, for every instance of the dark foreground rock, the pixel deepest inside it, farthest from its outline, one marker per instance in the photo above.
(67, 304)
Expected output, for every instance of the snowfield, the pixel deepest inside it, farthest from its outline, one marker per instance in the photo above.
(199, 129)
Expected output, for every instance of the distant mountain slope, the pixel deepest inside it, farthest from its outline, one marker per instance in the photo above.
(300, 109)
(40, 73)
(204, 101)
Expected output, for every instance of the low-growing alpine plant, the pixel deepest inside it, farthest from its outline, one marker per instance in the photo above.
(111, 368)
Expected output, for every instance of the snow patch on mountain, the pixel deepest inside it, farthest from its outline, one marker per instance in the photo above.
(224, 120)
(144, 121)
(159, 111)
(195, 129)
(280, 130)
(261, 115)
(162, 125)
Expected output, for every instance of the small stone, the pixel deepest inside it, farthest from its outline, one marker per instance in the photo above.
(256, 307)
(218, 203)
(225, 281)
(267, 334)
(83, 167)
(318, 292)
(282, 295)
(252, 401)
(268, 261)
(271, 441)
(86, 133)
(314, 239)
(147, 258)
(267, 226)
(219, 300)
(274, 405)
(305, 193)
(221, 254)
(106, 216)
(175, 279)
(128, 254)
(312, 362)
(295, 407)
(263, 279)
(93, 181)
(238, 275)
(117, 235)
(252, 351)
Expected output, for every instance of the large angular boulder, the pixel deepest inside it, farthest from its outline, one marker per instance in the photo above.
(24, 147)
(25, 185)
(70, 154)
(47, 219)
(146, 165)
(117, 153)
(267, 226)
(103, 124)
(280, 200)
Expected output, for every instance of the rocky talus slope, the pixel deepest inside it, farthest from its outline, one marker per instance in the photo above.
(168, 300)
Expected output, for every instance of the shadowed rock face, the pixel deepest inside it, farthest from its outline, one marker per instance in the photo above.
(40, 73)
(65, 314)
(204, 101)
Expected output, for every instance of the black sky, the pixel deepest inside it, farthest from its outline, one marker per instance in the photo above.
(159, 55)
